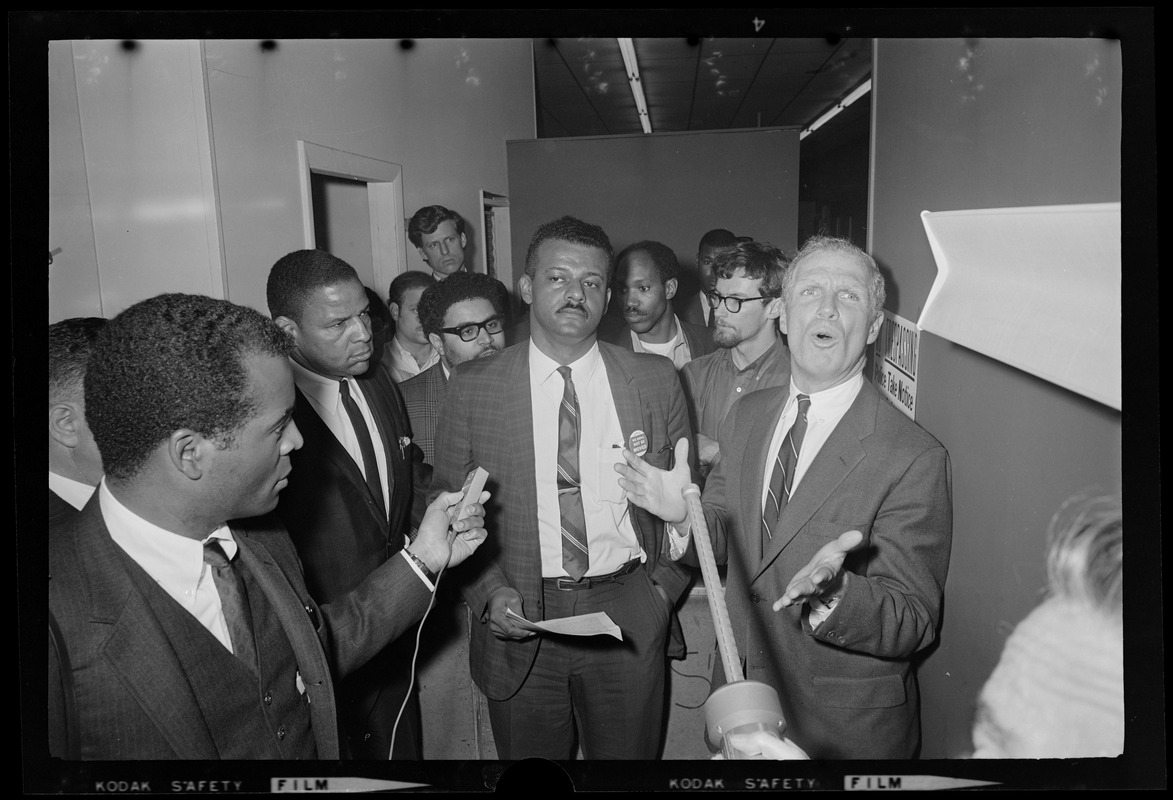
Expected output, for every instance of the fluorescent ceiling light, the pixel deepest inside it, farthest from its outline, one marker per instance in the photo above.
(855, 94)
(637, 89)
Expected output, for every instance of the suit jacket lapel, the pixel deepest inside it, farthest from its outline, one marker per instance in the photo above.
(840, 454)
(316, 430)
(629, 408)
(137, 648)
(303, 638)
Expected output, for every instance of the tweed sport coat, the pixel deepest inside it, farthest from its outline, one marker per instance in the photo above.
(486, 421)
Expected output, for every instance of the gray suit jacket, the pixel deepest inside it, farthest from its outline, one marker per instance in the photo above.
(133, 699)
(848, 690)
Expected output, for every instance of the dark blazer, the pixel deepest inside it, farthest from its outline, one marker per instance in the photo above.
(487, 421)
(848, 690)
(133, 697)
(341, 535)
(422, 396)
(614, 330)
(691, 309)
(60, 510)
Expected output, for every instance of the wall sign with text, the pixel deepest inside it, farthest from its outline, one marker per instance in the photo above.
(894, 361)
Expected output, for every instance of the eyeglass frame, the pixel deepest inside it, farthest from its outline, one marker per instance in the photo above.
(477, 328)
(715, 299)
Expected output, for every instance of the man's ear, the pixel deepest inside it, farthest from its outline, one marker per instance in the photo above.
(670, 287)
(188, 452)
(63, 427)
(781, 314)
(394, 309)
(463, 241)
(287, 325)
(437, 343)
(874, 331)
(775, 309)
(525, 287)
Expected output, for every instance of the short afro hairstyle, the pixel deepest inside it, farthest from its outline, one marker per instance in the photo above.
(298, 275)
(667, 267)
(845, 247)
(174, 361)
(568, 229)
(457, 287)
(427, 219)
(405, 281)
(718, 237)
(70, 342)
(757, 261)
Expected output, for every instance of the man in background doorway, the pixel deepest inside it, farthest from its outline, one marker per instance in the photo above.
(75, 465)
(646, 279)
(696, 310)
(438, 234)
(408, 353)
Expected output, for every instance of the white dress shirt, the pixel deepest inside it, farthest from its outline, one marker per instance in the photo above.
(611, 539)
(76, 493)
(403, 363)
(326, 398)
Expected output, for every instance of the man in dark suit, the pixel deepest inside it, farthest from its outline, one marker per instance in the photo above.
(694, 309)
(645, 281)
(75, 465)
(840, 507)
(358, 484)
(464, 318)
(546, 418)
(186, 629)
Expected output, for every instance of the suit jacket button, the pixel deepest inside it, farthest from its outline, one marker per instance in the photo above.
(753, 598)
(281, 732)
(268, 698)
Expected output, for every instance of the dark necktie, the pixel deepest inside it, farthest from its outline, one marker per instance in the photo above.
(233, 602)
(575, 558)
(366, 445)
(785, 463)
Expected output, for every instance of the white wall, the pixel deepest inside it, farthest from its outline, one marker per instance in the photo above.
(173, 166)
(442, 110)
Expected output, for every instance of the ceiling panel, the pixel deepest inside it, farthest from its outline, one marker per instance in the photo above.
(693, 84)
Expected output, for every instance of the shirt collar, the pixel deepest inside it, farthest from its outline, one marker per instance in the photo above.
(324, 391)
(76, 493)
(542, 367)
(831, 400)
(169, 558)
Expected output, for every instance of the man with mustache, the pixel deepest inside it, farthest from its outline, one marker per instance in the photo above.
(646, 280)
(464, 317)
(751, 355)
(547, 418)
(358, 484)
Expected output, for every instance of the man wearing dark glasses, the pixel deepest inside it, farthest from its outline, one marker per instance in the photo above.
(751, 353)
(464, 318)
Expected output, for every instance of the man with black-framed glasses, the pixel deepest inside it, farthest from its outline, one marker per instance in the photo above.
(751, 353)
(464, 317)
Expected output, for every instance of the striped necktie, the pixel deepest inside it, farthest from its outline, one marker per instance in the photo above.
(782, 479)
(575, 558)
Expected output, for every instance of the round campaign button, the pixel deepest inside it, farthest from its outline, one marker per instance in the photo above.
(638, 442)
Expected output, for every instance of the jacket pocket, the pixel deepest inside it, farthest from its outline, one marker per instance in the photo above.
(881, 691)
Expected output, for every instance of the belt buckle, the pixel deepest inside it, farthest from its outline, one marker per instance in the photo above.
(571, 584)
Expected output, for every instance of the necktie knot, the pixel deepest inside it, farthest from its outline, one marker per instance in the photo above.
(214, 554)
